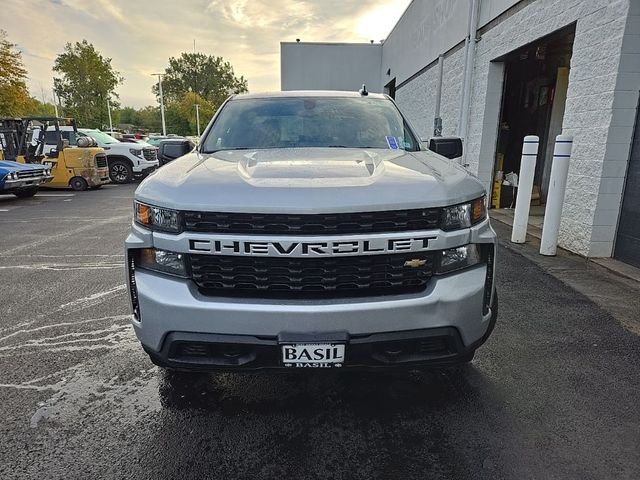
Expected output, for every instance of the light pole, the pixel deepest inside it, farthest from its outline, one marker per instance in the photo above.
(198, 119)
(164, 126)
(109, 110)
(55, 105)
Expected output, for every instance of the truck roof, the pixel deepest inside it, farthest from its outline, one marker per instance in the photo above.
(307, 93)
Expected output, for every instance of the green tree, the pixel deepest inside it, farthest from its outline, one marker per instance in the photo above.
(181, 114)
(212, 78)
(86, 81)
(14, 95)
(39, 109)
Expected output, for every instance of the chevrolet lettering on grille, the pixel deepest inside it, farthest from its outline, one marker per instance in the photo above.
(310, 249)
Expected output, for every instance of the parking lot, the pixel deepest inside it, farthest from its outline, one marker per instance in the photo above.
(553, 394)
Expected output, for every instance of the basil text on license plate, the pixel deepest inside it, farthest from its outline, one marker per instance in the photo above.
(315, 355)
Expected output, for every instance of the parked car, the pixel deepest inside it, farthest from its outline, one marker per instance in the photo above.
(155, 139)
(311, 230)
(125, 161)
(172, 148)
(22, 179)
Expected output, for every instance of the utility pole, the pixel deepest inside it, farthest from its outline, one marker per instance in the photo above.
(164, 126)
(109, 110)
(198, 119)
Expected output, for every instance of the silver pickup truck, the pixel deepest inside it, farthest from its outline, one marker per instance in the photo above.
(311, 229)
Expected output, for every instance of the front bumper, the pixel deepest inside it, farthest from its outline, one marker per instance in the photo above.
(20, 183)
(145, 167)
(172, 310)
(203, 351)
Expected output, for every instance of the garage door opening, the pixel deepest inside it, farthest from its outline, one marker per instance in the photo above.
(533, 102)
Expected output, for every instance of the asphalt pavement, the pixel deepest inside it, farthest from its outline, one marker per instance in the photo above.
(554, 393)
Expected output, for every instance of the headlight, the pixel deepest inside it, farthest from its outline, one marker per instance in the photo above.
(157, 218)
(136, 152)
(464, 215)
(457, 258)
(163, 261)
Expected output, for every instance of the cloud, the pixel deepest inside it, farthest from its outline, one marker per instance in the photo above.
(141, 36)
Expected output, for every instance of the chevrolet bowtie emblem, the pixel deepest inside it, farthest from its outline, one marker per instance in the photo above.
(415, 263)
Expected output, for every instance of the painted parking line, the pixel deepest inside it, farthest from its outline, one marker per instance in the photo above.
(55, 195)
(4, 209)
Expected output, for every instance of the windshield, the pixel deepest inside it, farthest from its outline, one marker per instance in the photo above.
(101, 137)
(309, 122)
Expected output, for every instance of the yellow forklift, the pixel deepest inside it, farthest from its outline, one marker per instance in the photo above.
(75, 162)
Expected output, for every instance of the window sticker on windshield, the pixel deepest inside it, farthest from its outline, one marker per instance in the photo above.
(392, 142)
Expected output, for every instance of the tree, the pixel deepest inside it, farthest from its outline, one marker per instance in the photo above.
(86, 81)
(14, 95)
(181, 114)
(208, 76)
(39, 109)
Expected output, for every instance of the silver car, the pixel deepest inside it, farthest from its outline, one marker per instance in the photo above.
(311, 230)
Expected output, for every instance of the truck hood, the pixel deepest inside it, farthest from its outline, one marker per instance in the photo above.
(309, 180)
(7, 166)
(121, 147)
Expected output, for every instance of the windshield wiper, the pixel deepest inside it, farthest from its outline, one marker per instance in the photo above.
(227, 149)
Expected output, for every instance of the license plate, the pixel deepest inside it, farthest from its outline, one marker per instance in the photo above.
(313, 355)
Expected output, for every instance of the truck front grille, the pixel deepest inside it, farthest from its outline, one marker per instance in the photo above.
(313, 224)
(101, 160)
(296, 278)
(149, 154)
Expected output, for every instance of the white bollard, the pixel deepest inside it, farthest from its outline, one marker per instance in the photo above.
(525, 185)
(555, 196)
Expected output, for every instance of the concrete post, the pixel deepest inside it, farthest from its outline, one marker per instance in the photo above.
(555, 196)
(525, 185)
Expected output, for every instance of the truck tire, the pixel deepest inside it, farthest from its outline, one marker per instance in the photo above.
(120, 172)
(78, 184)
(26, 193)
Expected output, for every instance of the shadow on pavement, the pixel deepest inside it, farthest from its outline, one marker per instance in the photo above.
(366, 393)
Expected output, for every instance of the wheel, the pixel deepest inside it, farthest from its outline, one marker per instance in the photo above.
(78, 184)
(26, 193)
(120, 172)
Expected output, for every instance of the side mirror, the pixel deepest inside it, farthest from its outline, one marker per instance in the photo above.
(53, 153)
(450, 147)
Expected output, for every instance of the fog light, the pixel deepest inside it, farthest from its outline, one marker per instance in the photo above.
(163, 261)
(458, 258)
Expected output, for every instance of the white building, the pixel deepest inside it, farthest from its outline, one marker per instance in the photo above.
(537, 67)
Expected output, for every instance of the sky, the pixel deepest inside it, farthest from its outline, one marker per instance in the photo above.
(140, 35)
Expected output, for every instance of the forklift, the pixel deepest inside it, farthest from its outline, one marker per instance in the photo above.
(79, 167)
(10, 131)
(18, 179)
